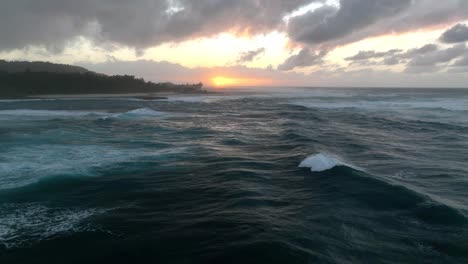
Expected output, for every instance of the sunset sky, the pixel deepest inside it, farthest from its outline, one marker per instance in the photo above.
(403, 43)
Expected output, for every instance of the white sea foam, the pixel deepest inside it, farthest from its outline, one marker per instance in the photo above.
(23, 224)
(22, 166)
(137, 113)
(145, 111)
(198, 98)
(323, 162)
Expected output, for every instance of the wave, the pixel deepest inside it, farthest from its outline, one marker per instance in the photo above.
(136, 113)
(23, 166)
(460, 105)
(52, 114)
(75, 98)
(323, 162)
(25, 100)
(211, 98)
(46, 113)
(392, 194)
(188, 99)
(24, 224)
(144, 111)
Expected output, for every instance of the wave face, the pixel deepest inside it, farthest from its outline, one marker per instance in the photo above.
(44, 113)
(23, 225)
(253, 176)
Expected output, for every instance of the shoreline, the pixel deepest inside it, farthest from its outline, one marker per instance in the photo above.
(143, 96)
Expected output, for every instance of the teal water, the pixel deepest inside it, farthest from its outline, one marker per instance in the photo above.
(252, 176)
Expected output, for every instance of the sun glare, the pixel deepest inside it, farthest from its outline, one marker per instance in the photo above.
(224, 81)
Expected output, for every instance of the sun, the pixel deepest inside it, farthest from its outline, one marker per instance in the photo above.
(224, 81)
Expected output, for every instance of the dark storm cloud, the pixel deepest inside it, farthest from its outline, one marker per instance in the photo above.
(250, 55)
(304, 58)
(138, 24)
(456, 34)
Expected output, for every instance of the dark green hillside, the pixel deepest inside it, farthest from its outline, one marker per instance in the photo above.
(26, 79)
(38, 66)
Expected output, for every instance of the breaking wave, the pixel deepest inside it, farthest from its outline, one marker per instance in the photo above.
(323, 162)
(137, 113)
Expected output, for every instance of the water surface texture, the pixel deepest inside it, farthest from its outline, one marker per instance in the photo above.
(269, 176)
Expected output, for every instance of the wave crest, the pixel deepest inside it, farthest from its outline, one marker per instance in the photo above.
(323, 162)
(137, 113)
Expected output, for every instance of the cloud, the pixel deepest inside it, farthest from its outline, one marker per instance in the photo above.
(165, 71)
(391, 57)
(304, 58)
(355, 20)
(365, 55)
(145, 23)
(438, 56)
(420, 51)
(428, 58)
(250, 55)
(138, 24)
(463, 62)
(330, 23)
(162, 71)
(391, 61)
(456, 34)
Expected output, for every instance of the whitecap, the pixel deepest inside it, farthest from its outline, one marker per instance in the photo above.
(210, 98)
(196, 98)
(23, 166)
(137, 113)
(145, 111)
(323, 162)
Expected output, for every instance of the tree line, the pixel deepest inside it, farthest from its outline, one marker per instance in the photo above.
(17, 84)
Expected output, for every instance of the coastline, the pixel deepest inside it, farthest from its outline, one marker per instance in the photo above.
(143, 96)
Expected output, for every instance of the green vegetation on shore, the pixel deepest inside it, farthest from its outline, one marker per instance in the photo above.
(19, 79)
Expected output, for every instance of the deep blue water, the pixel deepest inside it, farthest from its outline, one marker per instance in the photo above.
(268, 176)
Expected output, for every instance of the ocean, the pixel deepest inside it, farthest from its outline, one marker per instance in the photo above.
(271, 175)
